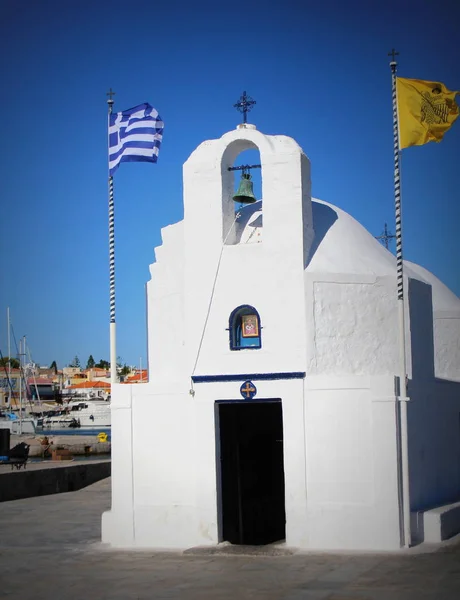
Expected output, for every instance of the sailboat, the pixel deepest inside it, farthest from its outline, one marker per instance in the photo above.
(17, 424)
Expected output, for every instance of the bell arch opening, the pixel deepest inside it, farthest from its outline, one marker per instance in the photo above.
(242, 193)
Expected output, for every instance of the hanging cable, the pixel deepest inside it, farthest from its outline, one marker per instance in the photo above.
(237, 216)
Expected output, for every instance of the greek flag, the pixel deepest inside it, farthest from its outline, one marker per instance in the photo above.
(134, 135)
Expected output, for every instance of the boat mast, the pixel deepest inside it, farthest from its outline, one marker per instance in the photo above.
(31, 369)
(9, 357)
(20, 387)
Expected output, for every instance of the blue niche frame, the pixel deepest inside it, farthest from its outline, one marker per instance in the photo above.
(231, 327)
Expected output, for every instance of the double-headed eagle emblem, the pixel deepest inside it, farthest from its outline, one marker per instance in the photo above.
(435, 107)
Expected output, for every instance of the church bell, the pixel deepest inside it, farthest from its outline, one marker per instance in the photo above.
(245, 193)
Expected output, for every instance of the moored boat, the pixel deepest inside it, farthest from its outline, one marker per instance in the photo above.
(81, 412)
(17, 425)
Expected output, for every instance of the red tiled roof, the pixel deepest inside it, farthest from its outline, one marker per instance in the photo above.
(89, 385)
(137, 377)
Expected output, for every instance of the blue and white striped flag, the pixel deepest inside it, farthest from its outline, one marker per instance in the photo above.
(134, 135)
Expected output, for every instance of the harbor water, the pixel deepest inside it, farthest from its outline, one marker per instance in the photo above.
(75, 431)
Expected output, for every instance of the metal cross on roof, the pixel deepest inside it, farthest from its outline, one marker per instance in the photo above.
(244, 105)
(385, 237)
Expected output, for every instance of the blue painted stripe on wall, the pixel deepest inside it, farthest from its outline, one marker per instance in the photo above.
(244, 376)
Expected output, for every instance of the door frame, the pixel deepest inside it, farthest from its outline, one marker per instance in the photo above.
(217, 403)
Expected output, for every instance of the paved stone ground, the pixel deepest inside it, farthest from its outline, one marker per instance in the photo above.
(50, 549)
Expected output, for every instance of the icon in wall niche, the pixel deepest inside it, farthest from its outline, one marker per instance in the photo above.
(250, 326)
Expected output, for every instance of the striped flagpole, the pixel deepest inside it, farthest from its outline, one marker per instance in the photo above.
(113, 351)
(403, 399)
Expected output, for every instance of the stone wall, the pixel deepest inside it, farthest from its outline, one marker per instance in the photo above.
(55, 479)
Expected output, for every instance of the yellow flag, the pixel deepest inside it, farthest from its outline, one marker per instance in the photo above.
(426, 110)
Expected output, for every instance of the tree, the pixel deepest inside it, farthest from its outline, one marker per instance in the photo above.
(54, 366)
(122, 369)
(75, 363)
(102, 364)
(91, 362)
(125, 370)
(13, 362)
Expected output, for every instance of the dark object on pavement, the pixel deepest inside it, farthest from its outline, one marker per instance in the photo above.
(17, 456)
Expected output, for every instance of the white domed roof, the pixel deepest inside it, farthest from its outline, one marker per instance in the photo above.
(342, 245)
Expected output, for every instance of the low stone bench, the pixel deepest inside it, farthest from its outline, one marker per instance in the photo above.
(437, 524)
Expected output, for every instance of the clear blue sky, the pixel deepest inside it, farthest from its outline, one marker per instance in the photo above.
(319, 72)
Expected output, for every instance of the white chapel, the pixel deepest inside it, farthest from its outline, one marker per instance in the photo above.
(271, 410)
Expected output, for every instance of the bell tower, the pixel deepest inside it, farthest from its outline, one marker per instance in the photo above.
(214, 265)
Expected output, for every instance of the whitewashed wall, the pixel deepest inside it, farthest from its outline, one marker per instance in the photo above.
(352, 488)
(165, 306)
(446, 334)
(434, 435)
(353, 332)
(447, 344)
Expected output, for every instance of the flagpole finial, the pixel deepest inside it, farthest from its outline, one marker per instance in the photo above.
(110, 101)
(393, 62)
